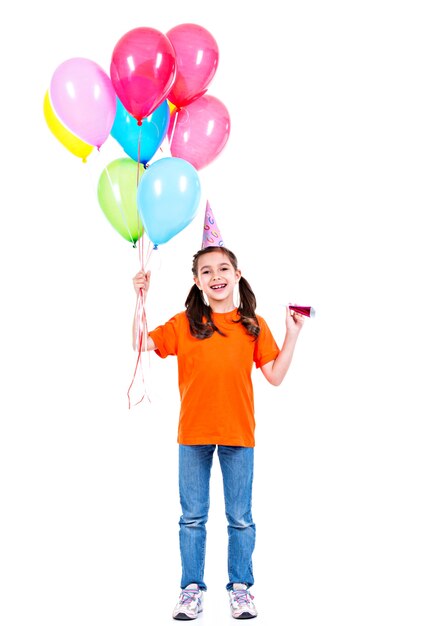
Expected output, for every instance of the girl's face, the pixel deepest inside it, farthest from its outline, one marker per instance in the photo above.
(217, 279)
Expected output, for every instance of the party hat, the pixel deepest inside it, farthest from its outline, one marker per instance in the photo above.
(211, 232)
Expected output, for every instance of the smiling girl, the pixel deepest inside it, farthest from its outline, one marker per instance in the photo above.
(216, 344)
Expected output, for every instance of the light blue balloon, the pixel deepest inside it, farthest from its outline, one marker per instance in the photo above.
(146, 138)
(168, 196)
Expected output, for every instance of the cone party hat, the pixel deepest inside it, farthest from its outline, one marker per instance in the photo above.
(211, 233)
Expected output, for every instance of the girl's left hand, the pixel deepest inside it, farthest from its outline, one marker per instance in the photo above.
(294, 321)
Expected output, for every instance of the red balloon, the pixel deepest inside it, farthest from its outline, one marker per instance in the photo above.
(143, 67)
(197, 58)
(199, 131)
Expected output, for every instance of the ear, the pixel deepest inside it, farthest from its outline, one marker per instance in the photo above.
(196, 281)
(238, 275)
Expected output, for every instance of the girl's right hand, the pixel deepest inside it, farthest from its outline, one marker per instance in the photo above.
(142, 281)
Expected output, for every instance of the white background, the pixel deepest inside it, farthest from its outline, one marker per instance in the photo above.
(324, 193)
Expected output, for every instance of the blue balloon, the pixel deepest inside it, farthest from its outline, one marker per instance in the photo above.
(145, 138)
(168, 196)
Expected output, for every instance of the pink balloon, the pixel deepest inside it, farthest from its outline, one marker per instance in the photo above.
(84, 99)
(143, 67)
(200, 131)
(197, 57)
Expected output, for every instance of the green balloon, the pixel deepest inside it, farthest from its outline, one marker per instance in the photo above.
(117, 195)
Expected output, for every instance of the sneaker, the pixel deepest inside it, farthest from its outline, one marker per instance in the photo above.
(241, 603)
(189, 604)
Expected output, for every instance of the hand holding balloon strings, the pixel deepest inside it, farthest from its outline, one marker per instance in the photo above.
(141, 285)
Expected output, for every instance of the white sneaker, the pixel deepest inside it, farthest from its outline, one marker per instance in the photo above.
(241, 603)
(189, 604)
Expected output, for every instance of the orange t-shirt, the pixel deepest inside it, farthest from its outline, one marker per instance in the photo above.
(214, 376)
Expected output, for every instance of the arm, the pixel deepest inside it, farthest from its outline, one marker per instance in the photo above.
(275, 371)
(141, 282)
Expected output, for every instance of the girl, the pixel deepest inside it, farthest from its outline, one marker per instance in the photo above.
(216, 344)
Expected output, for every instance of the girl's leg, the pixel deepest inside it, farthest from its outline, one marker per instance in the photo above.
(194, 480)
(237, 471)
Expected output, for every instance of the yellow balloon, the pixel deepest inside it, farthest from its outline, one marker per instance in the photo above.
(74, 144)
(172, 107)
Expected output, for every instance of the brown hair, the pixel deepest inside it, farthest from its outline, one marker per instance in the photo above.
(199, 313)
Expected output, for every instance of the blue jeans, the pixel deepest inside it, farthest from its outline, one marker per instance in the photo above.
(195, 464)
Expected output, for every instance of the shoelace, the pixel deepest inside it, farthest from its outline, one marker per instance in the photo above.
(187, 596)
(242, 596)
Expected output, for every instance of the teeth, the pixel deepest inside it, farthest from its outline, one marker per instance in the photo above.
(218, 286)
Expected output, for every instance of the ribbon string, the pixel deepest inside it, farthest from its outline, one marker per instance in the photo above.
(145, 250)
(140, 341)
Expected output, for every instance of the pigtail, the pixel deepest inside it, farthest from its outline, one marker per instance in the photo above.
(247, 307)
(199, 315)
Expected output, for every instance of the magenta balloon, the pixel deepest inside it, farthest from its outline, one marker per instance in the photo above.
(143, 67)
(200, 131)
(84, 99)
(197, 58)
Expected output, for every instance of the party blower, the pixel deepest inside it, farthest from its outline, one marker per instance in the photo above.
(308, 311)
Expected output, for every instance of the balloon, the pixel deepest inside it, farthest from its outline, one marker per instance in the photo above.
(168, 196)
(70, 141)
(200, 131)
(197, 58)
(142, 70)
(84, 99)
(146, 138)
(117, 195)
(172, 107)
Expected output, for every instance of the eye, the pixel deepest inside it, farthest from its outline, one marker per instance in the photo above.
(205, 272)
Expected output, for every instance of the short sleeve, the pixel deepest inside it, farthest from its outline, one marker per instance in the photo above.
(266, 348)
(166, 337)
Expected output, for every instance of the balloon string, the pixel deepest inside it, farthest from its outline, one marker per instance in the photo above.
(140, 318)
(150, 249)
(139, 154)
(140, 324)
(140, 253)
(176, 114)
(144, 259)
(140, 340)
(138, 180)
